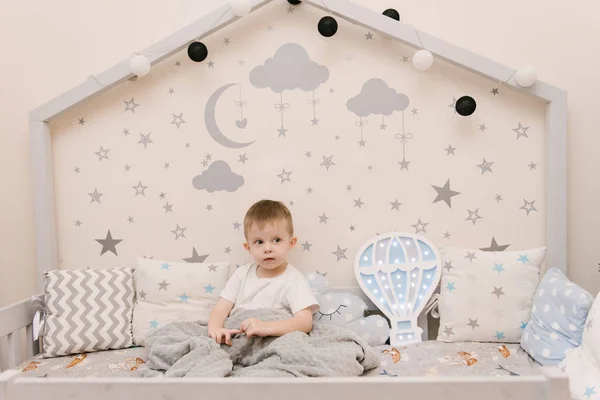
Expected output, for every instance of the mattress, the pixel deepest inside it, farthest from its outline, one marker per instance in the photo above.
(430, 358)
(433, 358)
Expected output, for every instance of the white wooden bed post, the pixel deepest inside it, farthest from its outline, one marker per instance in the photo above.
(556, 115)
(43, 192)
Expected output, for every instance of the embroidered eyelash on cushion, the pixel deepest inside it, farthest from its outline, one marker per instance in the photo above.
(346, 310)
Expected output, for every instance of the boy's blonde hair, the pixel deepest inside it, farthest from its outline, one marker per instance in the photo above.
(267, 211)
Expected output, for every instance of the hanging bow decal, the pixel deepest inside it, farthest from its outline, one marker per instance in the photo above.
(404, 137)
(281, 107)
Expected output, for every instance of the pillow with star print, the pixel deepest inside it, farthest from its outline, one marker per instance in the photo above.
(582, 364)
(486, 296)
(174, 291)
(560, 309)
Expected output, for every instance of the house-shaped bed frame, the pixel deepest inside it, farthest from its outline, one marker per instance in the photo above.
(552, 385)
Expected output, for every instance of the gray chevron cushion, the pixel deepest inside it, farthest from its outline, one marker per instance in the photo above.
(88, 310)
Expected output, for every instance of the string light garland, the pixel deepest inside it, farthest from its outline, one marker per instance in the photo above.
(327, 26)
(423, 59)
(526, 76)
(465, 106)
(241, 8)
(139, 65)
(197, 51)
(392, 13)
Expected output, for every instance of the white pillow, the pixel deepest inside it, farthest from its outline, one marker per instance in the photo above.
(583, 363)
(174, 291)
(591, 335)
(487, 296)
(584, 377)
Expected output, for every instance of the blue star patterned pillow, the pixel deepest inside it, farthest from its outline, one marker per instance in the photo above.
(558, 316)
(486, 296)
(174, 291)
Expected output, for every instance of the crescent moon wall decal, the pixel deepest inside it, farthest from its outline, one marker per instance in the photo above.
(211, 122)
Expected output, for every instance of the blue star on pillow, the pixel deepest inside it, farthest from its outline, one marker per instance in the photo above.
(209, 288)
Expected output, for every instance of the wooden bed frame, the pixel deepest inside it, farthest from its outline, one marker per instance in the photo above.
(16, 319)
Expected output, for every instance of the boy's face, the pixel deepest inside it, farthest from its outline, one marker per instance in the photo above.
(270, 246)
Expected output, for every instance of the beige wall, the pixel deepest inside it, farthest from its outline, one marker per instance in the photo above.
(51, 47)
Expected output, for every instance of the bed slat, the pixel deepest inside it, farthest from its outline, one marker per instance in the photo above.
(29, 341)
(14, 348)
(15, 317)
(3, 353)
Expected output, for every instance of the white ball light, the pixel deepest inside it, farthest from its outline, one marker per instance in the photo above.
(139, 65)
(422, 60)
(241, 8)
(526, 76)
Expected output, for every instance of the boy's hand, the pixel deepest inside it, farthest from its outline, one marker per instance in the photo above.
(255, 327)
(223, 336)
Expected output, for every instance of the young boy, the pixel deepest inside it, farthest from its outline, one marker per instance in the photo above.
(269, 282)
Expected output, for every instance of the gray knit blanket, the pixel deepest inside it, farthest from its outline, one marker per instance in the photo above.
(183, 349)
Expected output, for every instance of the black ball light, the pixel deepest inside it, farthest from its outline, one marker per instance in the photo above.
(328, 26)
(197, 51)
(392, 13)
(465, 106)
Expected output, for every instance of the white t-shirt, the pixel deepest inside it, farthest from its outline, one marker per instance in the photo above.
(290, 291)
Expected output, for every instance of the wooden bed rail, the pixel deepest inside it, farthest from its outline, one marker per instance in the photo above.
(14, 319)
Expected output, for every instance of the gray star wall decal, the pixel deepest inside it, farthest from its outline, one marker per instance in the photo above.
(473, 216)
(521, 131)
(139, 189)
(130, 105)
(445, 193)
(486, 166)
(95, 196)
(179, 232)
(450, 150)
(109, 244)
(145, 140)
(178, 120)
(284, 175)
(102, 153)
(528, 206)
(395, 205)
(195, 258)
(327, 162)
(340, 253)
(495, 247)
(420, 226)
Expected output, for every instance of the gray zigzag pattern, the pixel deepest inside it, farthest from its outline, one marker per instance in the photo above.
(55, 345)
(97, 334)
(86, 316)
(71, 309)
(62, 336)
(115, 322)
(126, 314)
